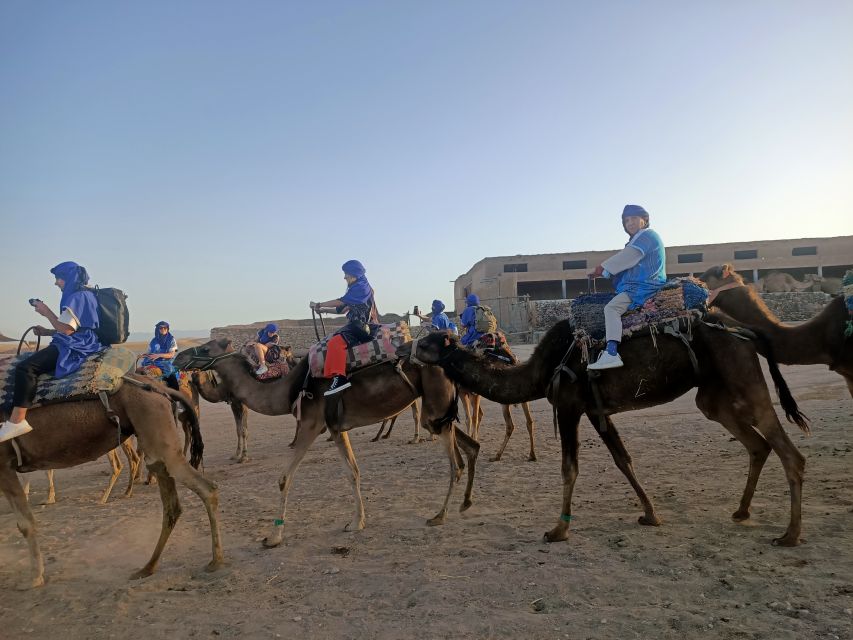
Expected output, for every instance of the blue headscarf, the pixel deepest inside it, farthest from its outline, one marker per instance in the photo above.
(360, 291)
(473, 300)
(265, 333)
(75, 278)
(437, 306)
(164, 341)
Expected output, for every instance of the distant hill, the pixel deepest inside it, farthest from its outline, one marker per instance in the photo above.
(145, 336)
(5, 339)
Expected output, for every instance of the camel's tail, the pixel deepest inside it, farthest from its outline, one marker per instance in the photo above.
(789, 404)
(196, 442)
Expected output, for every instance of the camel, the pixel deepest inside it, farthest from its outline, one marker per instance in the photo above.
(474, 415)
(416, 415)
(377, 392)
(780, 282)
(70, 433)
(207, 385)
(657, 370)
(831, 286)
(821, 340)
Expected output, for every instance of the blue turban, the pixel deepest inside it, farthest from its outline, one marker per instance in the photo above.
(264, 335)
(635, 210)
(164, 341)
(473, 299)
(437, 306)
(353, 268)
(75, 278)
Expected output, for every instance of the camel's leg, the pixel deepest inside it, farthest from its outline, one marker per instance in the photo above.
(140, 454)
(345, 449)
(568, 422)
(718, 406)
(471, 448)
(306, 433)
(382, 428)
(477, 416)
(464, 399)
(510, 427)
(241, 422)
(51, 488)
(116, 466)
(416, 416)
(133, 462)
(622, 458)
(390, 427)
(447, 438)
(171, 513)
(528, 417)
(14, 492)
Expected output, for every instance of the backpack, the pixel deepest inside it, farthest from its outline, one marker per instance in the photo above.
(113, 316)
(484, 320)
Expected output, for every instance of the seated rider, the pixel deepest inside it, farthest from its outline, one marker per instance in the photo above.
(437, 318)
(360, 308)
(74, 340)
(161, 352)
(638, 272)
(267, 337)
(468, 320)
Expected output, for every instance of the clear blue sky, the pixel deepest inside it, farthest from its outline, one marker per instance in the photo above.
(220, 160)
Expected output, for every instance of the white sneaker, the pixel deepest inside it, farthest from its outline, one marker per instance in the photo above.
(261, 370)
(606, 361)
(11, 430)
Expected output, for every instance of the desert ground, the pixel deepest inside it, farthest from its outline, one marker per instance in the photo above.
(486, 573)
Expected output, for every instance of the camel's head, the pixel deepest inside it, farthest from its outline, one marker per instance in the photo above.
(204, 356)
(716, 277)
(430, 350)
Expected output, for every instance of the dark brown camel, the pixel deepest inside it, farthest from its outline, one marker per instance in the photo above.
(731, 387)
(377, 392)
(71, 433)
(821, 340)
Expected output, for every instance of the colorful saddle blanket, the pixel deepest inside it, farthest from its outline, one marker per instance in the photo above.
(184, 377)
(679, 298)
(495, 345)
(383, 347)
(101, 372)
(276, 359)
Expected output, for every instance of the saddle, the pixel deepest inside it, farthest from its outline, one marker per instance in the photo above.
(495, 345)
(102, 372)
(276, 360)
(387, 338)
(678, 298)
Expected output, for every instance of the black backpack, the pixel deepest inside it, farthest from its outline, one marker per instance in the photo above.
(113, 316)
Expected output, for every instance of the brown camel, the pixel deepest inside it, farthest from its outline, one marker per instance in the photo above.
(781, 282)
(377, 392)
(474, 415)
(416, 415)
(71, 433)
(821, 340)
(727, 373)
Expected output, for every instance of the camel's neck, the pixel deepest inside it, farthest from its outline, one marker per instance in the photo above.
(268, 398)
(798, 344)
(208, 390)
(506, 385)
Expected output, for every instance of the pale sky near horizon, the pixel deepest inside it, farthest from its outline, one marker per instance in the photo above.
(219, 161)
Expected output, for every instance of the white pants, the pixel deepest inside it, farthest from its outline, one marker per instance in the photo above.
(613, 316)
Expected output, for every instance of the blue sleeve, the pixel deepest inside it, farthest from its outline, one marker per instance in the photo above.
(440, 321)
(646, 243)
(468, 317)
(173, 345)
(153, 346)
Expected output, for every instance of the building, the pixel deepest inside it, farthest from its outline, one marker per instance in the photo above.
(501, 280)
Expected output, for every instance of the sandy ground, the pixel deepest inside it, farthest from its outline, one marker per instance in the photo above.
(485, 574)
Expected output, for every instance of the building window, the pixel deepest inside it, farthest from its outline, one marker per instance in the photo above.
(689, 257)
(574, 264)
(804, 251)
(746, 254)
(515, 268)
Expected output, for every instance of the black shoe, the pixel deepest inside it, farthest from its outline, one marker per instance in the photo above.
(339, 383)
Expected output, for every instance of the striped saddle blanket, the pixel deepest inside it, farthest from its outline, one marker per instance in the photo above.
(101, 372)
(679, 298)
(383, 347)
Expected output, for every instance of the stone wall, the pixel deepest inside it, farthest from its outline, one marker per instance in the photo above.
(789, 307)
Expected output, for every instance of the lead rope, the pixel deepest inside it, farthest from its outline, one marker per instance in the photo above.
(553, 390)
(112, 415)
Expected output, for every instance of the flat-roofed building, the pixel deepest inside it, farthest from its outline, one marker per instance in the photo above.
(552, 276)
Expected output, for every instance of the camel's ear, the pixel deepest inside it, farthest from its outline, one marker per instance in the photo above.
(727, 270)
(224, 343)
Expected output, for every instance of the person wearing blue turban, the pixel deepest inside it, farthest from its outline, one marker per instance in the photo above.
(267, 337)
(437, 318)
(637, 272)
(161, 352)
(74, 340)
(468, 320)
(362, 320)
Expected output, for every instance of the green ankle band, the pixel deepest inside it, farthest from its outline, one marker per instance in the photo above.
(565, 517)
(278, 523)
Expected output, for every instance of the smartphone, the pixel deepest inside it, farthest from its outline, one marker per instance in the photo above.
(34, 300)
(416, 311)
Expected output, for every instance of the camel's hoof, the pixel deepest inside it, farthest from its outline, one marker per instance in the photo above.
(436, 521)
(35, 583)
(650, 521)
(557, 534)
(243, 459)
(465, 506)
(376, 439)
(531, 457)
(271, 543)
(495, 459)
(415, 441)
(740, 515)
(214, 565)
(786, 541)
(357, 527)
(144, 572)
